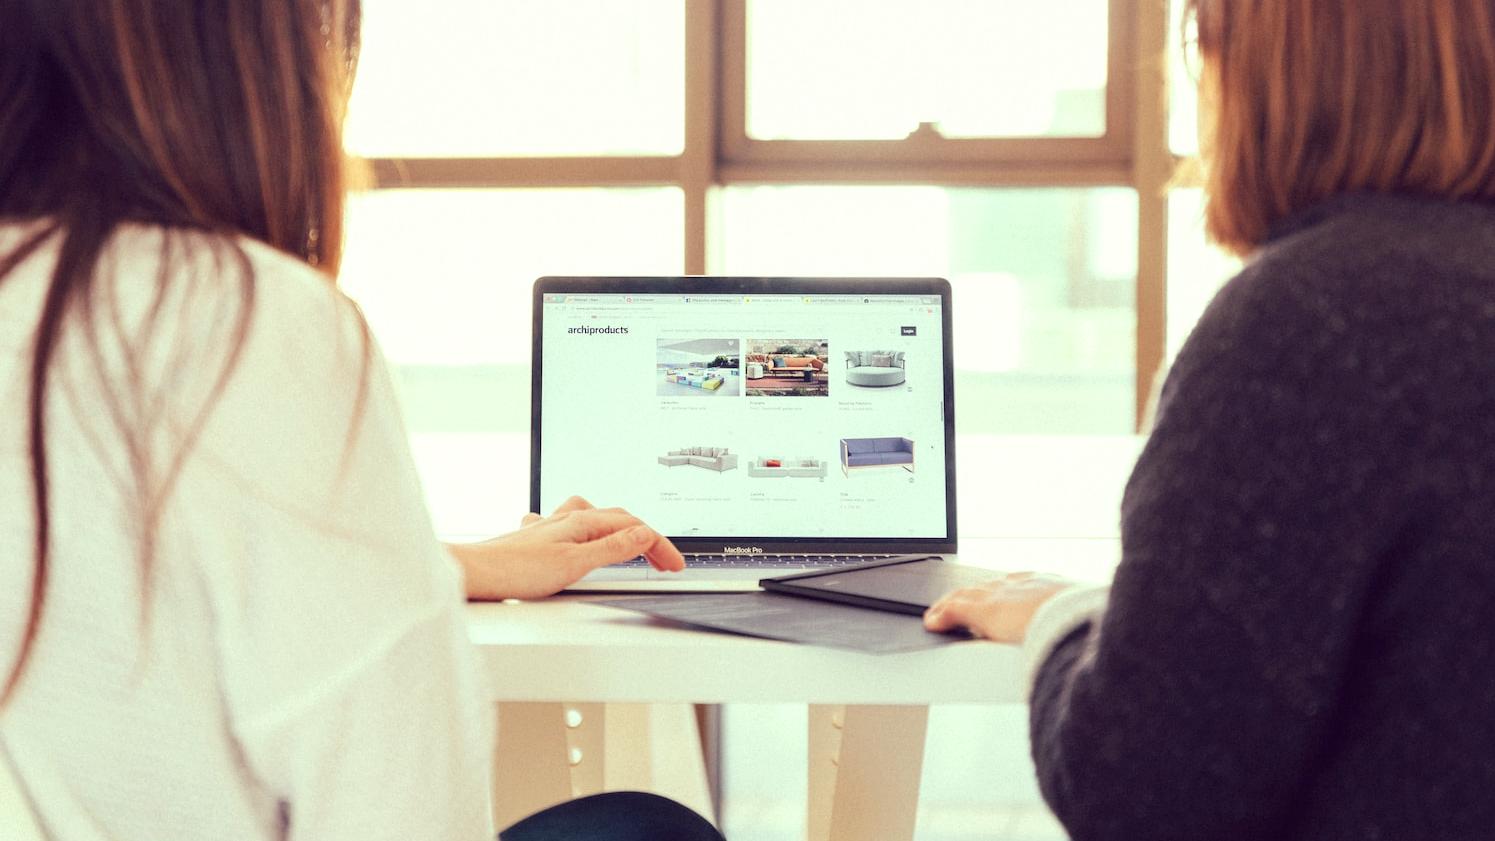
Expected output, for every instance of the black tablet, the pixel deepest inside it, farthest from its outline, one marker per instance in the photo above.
(904, 584)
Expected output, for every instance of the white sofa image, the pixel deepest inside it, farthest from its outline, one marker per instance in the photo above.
(875, 368)
(796, 468)
(711, 458)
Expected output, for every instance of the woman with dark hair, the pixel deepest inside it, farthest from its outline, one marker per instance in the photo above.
(225, 610)
(1299, 642)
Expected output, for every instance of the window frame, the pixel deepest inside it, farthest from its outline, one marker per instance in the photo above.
(1111, 150)
(1133, 152)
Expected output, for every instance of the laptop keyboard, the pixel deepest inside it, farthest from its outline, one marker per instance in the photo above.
(708, 561)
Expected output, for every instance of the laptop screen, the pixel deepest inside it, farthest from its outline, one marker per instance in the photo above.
(767, 413)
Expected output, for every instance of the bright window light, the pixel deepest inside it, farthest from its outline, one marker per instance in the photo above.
(1044, 283)
(876, 69)
(1196, 269)
(444, 276)
(476, 78)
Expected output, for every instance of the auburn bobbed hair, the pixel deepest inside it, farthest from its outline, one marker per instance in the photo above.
(1304, 99)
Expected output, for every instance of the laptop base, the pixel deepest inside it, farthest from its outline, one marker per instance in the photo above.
(707, 574)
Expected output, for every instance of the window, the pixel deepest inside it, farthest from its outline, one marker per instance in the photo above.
(1196, 269)
(1020, 150)
(1043, 282)
(444, 276)
(477, 78)
(843, 70)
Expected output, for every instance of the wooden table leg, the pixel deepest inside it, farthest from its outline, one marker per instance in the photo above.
(589, 728)
(826, 722)
(551, 752)
(677, 763)
(709, 726)
(865, 763)
(530, 770)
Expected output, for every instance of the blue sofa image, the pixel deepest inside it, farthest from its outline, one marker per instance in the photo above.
(876, 452)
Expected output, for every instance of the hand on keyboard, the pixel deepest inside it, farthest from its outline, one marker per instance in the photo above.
(549, 553)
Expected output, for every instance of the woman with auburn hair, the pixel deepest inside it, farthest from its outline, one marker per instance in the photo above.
(1299, 642)
(223, 608)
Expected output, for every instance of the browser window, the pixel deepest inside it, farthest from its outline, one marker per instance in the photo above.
(744, 416)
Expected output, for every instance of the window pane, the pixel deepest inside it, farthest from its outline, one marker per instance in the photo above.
(846, 69)
(1044, 284)
(445, 277)
(1196, 269)
(1183, 92)
(476, 78)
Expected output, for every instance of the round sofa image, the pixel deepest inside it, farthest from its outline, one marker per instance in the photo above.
(875, 368)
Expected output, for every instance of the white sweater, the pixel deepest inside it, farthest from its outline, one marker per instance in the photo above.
(300, 666)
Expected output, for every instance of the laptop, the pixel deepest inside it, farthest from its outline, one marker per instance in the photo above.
(765, 425)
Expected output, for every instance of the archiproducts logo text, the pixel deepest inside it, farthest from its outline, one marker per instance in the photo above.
(589, 331)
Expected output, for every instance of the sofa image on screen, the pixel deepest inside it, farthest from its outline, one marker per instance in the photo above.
(783, 367)
(711, 458)
(874, 368)
(695, 378)
(786, 365)
(799, 367)
(695, 368)
(857, 453)
(794, 468)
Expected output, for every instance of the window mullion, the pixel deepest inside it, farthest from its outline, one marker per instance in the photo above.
(441, 173)
(698, 163)
(1153, 167)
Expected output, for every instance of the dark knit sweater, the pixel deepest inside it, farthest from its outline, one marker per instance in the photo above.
(1300, 638)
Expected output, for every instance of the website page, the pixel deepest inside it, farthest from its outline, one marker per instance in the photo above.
(746, 416)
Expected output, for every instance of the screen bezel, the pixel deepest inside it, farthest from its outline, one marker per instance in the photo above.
(748, 286)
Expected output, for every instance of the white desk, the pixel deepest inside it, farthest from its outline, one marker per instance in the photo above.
(1043, 503)
(566, 648)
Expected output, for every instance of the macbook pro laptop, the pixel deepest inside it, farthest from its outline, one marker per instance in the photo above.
(765, 425)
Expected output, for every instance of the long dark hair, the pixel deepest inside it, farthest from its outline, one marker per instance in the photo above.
(212, 119)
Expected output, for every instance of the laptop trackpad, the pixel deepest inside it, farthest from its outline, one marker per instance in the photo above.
(621, 573)
(711, 574)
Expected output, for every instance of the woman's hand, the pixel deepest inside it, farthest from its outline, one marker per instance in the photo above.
(549, 553)
(998, 610)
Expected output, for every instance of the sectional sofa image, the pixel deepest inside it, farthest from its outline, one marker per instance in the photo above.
(695, 378)
(697, 368)
(711, 458)
(794, 468)
(875, 368)
(858, 453)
